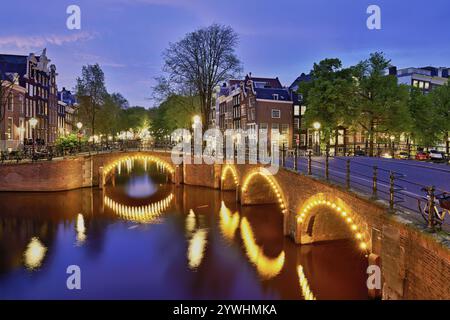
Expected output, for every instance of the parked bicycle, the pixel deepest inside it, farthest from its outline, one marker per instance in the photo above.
(436, 204)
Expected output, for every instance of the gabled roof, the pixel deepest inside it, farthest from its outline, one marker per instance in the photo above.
(269, 82)
(269, 94)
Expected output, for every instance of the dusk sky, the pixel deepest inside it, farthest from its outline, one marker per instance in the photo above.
(277, 38)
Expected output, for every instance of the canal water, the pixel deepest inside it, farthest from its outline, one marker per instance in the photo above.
(144, 238)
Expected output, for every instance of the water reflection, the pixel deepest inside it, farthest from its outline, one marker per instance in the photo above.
(34, 254)
(205, 247)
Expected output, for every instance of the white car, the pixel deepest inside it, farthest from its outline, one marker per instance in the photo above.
(437, 156)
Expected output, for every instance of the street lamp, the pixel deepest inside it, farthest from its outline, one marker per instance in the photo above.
(33, 123)
(79, 126)
(317, 126)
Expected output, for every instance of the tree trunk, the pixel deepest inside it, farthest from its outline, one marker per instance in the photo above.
(447, 143)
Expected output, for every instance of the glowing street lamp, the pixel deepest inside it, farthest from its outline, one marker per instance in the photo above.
(33, 123)
(79, 125)
(317, 126)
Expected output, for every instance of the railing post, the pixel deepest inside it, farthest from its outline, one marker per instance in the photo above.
(375, 182)
(348, 174)
(295, 158)
(327, 165)
(309, 162)
(283, 157)
(431, 207)
(391, 191)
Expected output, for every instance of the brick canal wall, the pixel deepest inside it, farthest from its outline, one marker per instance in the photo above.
(414, 263)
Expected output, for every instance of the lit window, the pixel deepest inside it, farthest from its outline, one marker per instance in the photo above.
(296, 110)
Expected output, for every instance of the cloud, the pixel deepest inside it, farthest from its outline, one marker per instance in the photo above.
(40, 41)
(102, 61)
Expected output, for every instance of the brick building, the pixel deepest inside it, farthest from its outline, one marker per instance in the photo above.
(38, 78)
(67, 104)
(12, 121)
(256, 103)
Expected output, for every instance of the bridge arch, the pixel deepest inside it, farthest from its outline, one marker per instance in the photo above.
(325, 217)
(261, 187)
(110, 166)
(229, 177)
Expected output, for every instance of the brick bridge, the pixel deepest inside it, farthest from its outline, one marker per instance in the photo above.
(414, 264)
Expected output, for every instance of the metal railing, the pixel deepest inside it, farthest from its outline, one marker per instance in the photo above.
(372, 180)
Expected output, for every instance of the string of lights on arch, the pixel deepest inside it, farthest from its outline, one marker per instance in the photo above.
(347, 217)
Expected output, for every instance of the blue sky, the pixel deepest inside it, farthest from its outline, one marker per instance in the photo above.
(277, 38)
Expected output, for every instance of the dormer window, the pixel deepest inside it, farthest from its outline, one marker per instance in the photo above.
(275, 96)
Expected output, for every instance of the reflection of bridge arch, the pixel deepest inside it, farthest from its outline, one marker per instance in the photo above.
(110, 166)
(229, 178)
(316, 207)
(266, 267)
(249, 193)
(142, 214)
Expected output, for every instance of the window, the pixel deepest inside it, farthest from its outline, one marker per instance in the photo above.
(275, 127)
(9, 129)
(427, 85)
(421, 84)
(285, 129)
(276, 113)
(296, 123)
(296, 110)
(275, 96)
(302, 110)
(11, 102)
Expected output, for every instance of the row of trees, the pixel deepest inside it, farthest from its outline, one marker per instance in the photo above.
(364, 98)
(102, 112)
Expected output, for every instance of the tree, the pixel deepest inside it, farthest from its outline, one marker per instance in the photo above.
(201, 60)
(91, 93)
(440, 100)
(383, 104)
(329, 97)
(424, 129)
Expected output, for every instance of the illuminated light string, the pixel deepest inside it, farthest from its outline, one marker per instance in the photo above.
(263, 172)
(354, 227)
(266, 267)
(142, 214)
(304, 285)
(128, 160)
(233, 172)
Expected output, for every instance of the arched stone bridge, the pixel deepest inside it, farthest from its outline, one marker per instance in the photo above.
(414, 264)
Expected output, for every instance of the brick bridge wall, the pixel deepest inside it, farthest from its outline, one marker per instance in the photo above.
(414, 264)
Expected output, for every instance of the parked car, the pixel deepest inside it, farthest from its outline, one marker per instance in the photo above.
(422, 156)
(402, 155)
(360, 153)
(437, 156)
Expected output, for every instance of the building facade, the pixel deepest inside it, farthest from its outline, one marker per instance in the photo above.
(425, 79)
(38, 78)
(12, 122)
(67, 103)
(256, 103)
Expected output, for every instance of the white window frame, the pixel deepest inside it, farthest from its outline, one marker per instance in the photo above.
(279, 113)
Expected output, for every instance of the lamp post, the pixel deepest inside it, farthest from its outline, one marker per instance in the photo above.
(392, 138)
(317, 126)
(33, 123)
(79, 126)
